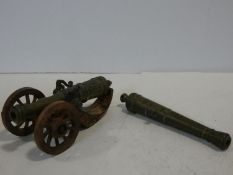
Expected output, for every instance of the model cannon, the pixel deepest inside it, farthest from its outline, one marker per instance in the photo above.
(136, 103)
(56, 120)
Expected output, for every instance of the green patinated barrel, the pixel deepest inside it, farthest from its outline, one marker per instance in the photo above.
(79, 93)
(136, 103)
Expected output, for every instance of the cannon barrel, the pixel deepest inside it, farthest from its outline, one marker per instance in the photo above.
(136, 103)
(78, 94)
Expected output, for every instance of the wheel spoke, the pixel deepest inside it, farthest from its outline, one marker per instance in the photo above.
(34, 99)
(19, 124)
(64, 138)
(69, 124)
(27, 98)
(49, 139)
(26, 124)
(46, 132)
(19, 101)
(72, 129)
(56, 141)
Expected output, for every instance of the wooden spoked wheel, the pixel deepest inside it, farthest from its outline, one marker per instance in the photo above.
(21, 96)
(57, 127)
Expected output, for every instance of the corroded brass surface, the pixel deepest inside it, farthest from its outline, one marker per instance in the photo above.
(136, 103)
(61, 115)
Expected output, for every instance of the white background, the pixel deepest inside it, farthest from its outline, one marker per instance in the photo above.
(116, 35)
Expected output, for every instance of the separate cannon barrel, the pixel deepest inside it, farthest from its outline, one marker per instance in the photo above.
(136, 103)
(77, 94)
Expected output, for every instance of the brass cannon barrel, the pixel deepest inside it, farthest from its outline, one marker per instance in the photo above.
(136, 103)
(78, 94)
